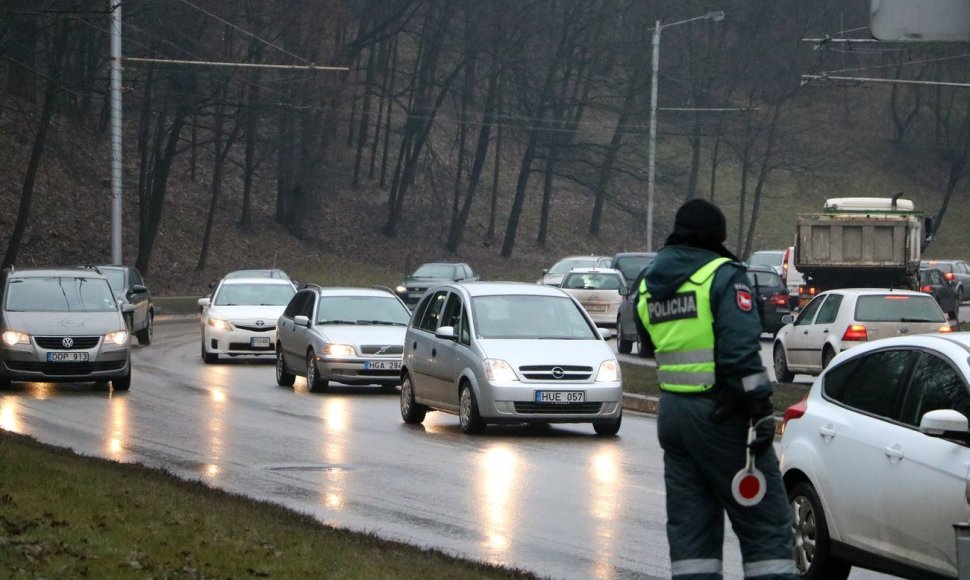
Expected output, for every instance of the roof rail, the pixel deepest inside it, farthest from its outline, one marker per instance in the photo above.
(384, 288)
(93, 267)
(305, 285)
(9, 269)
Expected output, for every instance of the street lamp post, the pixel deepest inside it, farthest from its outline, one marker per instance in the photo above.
(716, 16)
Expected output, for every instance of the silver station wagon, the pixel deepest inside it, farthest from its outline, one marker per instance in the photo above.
(505, 352)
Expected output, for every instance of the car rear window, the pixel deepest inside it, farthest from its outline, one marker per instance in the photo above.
(577, 281)
(764, 279)
(563, 266)
(898, 308)
(60, 294)
(767, 258)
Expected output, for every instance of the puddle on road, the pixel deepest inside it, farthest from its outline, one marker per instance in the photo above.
(310, 467)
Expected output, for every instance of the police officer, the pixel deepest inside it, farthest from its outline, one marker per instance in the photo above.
(700, 316)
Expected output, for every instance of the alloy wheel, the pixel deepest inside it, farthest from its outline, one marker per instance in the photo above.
(465, 407)
(805, 531)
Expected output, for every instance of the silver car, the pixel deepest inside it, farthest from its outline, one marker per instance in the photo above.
(353, 336)
(505, 352)
(60, 325)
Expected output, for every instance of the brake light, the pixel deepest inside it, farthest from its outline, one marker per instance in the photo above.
(948, 275)
(796, 411)
(855, 332)
(778, 299)
(945, 328)
(784, 266)
(927, 289)
(896, 297)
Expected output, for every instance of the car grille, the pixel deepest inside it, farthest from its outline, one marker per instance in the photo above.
(64, 369)
(557, 409)
(254, 328)
(247, 346)
(549, 372)
(57, 342)
(388, 349)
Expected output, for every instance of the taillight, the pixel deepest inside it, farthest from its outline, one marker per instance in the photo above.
(794, 412)
(778, 299)
(927, 289)
(784, 266)
(855, 332)
(948, 275)
(807, 290)
(945, 328)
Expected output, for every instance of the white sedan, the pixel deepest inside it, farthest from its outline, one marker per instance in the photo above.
(838, 320)
(241, 316)
(598, 290)
(876, 459)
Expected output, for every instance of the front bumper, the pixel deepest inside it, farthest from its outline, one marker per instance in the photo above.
(29, 362)
(515, 402)
(361, 370)
(239, 341)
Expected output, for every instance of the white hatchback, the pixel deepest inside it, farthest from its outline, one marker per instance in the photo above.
(876, 460)
(838, 320)
(598, 290)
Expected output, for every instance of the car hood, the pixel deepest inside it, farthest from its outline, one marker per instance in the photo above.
(373, 334)
(62, 323)
(269, 314)
(518, 352)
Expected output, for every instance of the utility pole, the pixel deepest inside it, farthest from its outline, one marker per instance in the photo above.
(114, 7)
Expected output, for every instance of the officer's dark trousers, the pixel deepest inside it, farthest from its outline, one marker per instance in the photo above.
(700, 461)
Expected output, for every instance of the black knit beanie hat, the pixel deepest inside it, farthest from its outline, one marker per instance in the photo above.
(701, 224)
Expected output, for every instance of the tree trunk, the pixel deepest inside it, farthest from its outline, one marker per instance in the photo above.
(546, 197)
(508, 246)
(363, 130)
(392, 71)
(249, 164)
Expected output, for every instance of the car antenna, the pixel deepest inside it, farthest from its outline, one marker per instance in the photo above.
(273, 269)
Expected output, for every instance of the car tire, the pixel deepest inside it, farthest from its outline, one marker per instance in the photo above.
(622, 346)
(608, 428)
(208, 357)
(782, 374)
(284, 378)
(471, 421)
(827, 355)
(641, 351)
(5, 384)
(411, 411)
(122, 383)
(146, 334)
(313, 380)
(813, 556)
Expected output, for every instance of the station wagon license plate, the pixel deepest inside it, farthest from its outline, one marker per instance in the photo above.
(382, 365)
(259, 342)
(560, 397)
(595, 307)
(68, 357)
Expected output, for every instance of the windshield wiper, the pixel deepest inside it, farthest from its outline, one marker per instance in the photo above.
(918, 320)
(354, 322)
(382, 322)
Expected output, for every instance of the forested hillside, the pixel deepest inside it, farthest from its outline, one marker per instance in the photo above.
(505, 133)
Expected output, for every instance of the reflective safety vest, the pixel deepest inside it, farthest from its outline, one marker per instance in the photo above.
(682, 330)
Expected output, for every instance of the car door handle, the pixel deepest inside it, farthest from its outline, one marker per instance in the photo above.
(826, 331)
(827, 432)
(894, 453)
(414, 345)
(434, 352)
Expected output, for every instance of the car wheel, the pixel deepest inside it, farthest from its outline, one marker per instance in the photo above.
(146, 334)
(122, 383)
(284, 378)
(471, 421)
(623, 346)
(608, 428)
(782, 374)
(208, 357)
(827, 355)
(313, 380)
(641, 350)
(411, 411)
(813, 556)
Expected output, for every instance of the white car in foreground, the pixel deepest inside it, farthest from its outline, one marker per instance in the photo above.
(240, 318)
(876, 460)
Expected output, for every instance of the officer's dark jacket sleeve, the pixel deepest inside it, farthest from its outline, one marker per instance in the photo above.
(737, 334)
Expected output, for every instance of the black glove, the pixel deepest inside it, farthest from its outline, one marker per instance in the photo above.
(762, 413)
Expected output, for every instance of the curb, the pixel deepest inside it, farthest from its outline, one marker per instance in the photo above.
(164, 318)
(650, 405)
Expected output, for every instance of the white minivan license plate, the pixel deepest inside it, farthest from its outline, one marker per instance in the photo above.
(68, 357)
(560, 397)
(259, 342)
(382, 365)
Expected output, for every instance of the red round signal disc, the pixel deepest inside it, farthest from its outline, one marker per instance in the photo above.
(748, 487)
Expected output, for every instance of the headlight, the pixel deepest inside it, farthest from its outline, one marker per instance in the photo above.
(12, 337)
(401, 289)
(609, 372)
(119, 337)
(338, 350)
(499, 370)
(219, 324)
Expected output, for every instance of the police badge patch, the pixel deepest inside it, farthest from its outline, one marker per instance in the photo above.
(744, 300)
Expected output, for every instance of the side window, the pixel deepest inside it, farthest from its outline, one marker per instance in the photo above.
(464, 333)
(808, 313)
(964, 268)
(432, 313)
(306, 309)
(295, 306)
(934, 384)
(452, 315)
(829, 310)
(836, 379)
(875, 385)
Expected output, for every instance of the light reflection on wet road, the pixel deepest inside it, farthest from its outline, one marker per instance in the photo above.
(558, 501)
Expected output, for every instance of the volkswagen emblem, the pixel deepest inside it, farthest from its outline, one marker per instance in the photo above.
(260, 323)
(903, 329)
(558, 373)
(67, 342)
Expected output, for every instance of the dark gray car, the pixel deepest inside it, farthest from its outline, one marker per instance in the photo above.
(957, 272)
(628, 332)
(62, 325)
(433, 274)
(129, 288)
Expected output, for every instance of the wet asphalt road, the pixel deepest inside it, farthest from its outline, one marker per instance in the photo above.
(558, 501)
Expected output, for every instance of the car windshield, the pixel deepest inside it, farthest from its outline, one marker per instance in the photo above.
(563, 266)
(898, 308)
(592, 281)
(435, 271)
(773, 259)
(362, 310)
(631, 266)
(254, 295)
(116, 278)
(60, 294)
(530, 317)
(764, 278)
(258, 274)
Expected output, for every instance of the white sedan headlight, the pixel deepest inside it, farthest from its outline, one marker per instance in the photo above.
(401, 289)
(220, 324)
(499, 370)
(119, 337)
(338, 350)
(12, 337)
(609, 372)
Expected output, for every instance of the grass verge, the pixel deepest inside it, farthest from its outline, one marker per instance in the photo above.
(176, 304)
(67, 516)
(643, 380)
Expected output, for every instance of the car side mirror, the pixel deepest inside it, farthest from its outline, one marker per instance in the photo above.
(788, 319)
(212, 285)
(446, 332)
(605, 333)
(204, 302)
(127, 307)
(138, 289)
(302, 321)
(943, 423)
(545, 271)
(622, 290)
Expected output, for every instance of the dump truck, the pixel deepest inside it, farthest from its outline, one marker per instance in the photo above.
(861, 242)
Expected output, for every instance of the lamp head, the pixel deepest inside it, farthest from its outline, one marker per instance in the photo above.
(716, 16)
